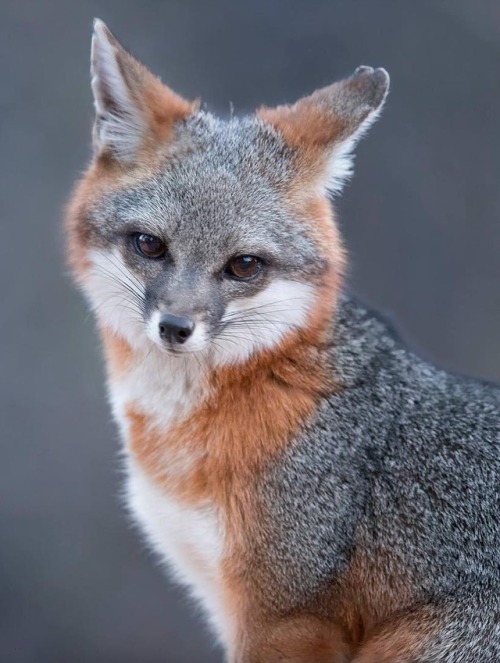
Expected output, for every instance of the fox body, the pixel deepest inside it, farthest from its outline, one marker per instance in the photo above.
(326, 495)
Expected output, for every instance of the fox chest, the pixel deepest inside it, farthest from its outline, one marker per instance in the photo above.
(189, 538)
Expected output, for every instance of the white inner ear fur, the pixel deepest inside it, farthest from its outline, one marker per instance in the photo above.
(121, 126)
(340, 165)
(262, 321)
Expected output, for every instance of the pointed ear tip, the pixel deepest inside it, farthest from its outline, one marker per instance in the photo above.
(100, 44)
(101, 30)
(379, 75)
(97, 36)
(384, 75)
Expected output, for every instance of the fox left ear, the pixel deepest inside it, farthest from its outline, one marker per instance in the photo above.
(134, 110)
(325, 127)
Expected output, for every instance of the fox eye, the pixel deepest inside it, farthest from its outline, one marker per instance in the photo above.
(244, 268)
(149, 246)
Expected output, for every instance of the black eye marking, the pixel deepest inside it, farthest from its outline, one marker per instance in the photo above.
(244, 268)
(149, 246)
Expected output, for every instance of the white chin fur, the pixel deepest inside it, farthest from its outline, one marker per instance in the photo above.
(261, 322)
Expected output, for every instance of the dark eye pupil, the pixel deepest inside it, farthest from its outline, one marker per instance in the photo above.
(245, 262)
(151, 247)
(244, 267)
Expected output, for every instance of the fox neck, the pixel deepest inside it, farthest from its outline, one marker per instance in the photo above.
(193, 427)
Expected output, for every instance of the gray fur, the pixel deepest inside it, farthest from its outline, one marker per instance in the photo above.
(402, 462)
(217, 195)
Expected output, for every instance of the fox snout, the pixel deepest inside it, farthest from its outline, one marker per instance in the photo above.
(178, 331)
(175, 329)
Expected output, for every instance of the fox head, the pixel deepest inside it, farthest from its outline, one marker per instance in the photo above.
(194, 234)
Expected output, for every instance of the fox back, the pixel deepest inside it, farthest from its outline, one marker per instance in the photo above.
(326, 495)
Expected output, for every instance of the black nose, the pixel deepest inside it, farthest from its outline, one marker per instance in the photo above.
(175, 329)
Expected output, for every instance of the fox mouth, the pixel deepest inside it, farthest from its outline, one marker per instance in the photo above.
(175, 352)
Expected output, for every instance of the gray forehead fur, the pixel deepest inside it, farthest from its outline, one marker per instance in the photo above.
(219, 193)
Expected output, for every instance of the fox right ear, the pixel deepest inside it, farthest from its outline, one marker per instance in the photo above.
(324, 127)
(134, 110)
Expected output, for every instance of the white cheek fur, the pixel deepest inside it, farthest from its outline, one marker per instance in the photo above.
(115, 295)
(262, 321)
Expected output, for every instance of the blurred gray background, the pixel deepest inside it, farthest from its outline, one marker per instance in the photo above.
(421, 219)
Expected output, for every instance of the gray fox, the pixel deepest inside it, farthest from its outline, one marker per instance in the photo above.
(324, 493)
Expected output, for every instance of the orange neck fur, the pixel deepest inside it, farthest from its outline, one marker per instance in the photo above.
(250, 412)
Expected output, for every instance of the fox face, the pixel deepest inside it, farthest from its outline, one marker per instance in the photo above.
(204, 254)
(196, 235)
